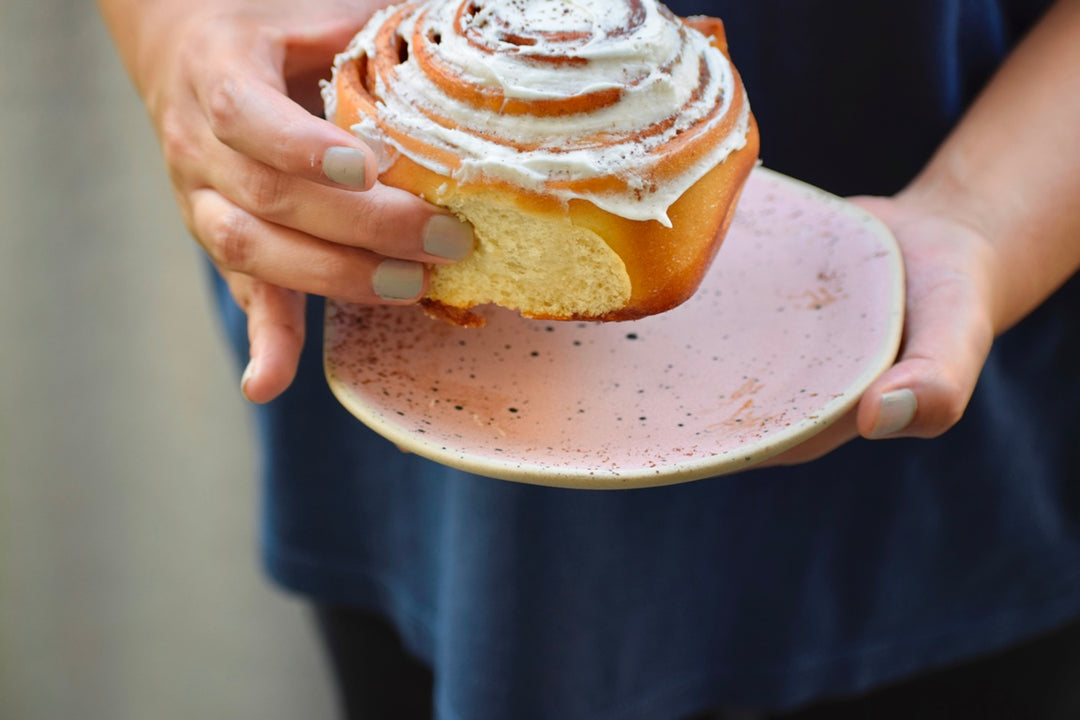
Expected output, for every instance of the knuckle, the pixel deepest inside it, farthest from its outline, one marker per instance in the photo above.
(290, 331)
(386, 226)
(273, 300)
(953, 406)
(293, 331)
(369, 229)
(949, 404)
(230, 240)
(176, 143)
(266, 192)
(223, 108)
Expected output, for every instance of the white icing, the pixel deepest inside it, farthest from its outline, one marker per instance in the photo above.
(629, 44)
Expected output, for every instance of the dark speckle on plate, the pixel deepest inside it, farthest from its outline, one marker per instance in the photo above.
(736, 373)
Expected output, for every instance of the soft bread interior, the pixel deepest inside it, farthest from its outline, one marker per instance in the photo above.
(540, 264)
(555, 260)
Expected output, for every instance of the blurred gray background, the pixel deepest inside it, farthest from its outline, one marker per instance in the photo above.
(129, 582)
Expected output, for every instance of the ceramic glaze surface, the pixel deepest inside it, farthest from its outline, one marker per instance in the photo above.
(800, 312)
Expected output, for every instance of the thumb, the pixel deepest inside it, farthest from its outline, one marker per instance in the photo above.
(320, 36)
(947, 335)
(310, 50)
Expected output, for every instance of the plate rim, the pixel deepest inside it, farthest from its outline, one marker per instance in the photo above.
(749, 455)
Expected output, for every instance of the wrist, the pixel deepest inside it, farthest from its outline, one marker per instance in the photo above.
(141, 33)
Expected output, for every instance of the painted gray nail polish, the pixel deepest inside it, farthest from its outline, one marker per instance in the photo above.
(897, 410)
(249, 372)
(447, 237)
(345, 166)
(398, 279)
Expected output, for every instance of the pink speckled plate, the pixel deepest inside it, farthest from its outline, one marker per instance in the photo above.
(800, 312)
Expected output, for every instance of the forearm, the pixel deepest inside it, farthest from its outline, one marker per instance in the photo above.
(295, 38)
(1011, 169)
(137, 26)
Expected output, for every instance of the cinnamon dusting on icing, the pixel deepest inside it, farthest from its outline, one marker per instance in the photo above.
(619, 103)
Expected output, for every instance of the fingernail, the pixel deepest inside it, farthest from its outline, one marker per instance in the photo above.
(447, 237)
(249, 372)
(398, 279)
(896, 413)
(345, 166)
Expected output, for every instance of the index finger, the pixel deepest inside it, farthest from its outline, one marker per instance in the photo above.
(257, 119)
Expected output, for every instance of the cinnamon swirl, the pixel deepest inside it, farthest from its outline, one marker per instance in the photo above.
(598, 149)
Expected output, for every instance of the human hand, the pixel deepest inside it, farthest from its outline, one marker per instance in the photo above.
(988, 230)
(284, 202)
(948, 331)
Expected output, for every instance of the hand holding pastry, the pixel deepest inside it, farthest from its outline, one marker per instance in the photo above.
(283, 202)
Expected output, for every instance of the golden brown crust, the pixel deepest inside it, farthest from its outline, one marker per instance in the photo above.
(462, 317)
(665, 265)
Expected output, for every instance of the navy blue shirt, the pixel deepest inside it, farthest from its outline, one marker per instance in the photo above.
(766, 589)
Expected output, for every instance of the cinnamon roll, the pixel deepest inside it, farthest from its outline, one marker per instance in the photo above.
(598, 149)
